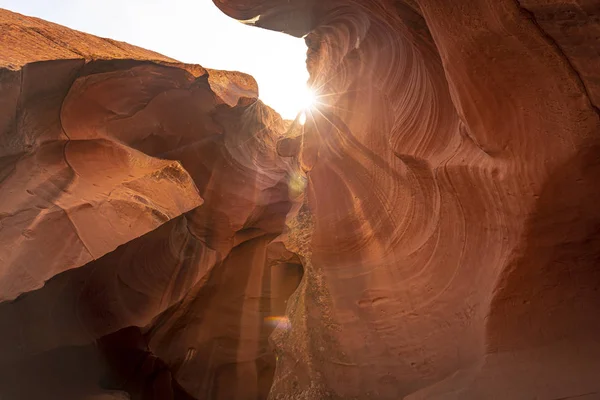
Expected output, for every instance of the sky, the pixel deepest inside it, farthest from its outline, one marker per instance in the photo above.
(191, 31)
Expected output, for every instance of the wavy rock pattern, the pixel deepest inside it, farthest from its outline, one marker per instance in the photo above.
(430, 233)
(450, 168)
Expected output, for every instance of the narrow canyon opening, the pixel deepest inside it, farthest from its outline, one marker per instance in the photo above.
(421, 224)
(193, 32)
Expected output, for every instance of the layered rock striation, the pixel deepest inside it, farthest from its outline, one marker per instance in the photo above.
(429, 233)
(450, 168)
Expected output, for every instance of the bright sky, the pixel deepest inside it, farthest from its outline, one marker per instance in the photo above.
(191, 31)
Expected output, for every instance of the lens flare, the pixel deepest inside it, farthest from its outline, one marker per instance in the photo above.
(302, 118)
(278, 322)
(297, 182)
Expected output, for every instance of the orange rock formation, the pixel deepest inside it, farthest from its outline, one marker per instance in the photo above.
(142, 201)
(430, 233)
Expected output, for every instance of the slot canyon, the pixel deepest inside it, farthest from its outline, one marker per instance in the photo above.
(432, 231)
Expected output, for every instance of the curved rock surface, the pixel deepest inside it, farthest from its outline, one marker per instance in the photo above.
(431, 232)
(141, 209)
(450, 167)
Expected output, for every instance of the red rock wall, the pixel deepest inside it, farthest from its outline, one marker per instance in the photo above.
(142, 201)
(450, 180)
(440, 202)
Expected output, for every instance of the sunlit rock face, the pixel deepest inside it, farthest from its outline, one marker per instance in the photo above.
(431, 232)
(142, 211)
(452, 168)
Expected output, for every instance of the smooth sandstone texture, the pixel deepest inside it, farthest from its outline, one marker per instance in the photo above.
(430, 233)
(450, 175)
(142, 204)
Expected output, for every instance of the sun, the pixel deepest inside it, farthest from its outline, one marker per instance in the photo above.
(307, 101)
